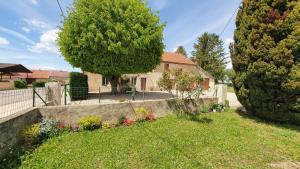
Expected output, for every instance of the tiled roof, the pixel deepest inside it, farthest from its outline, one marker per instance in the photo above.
(173, 57)
(45, 74)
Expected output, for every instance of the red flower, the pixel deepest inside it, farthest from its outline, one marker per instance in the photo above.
(150, 116)
(127, 122)
(61, 126)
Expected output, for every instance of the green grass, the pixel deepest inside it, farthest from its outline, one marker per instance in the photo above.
(230, 89)
(217, 140)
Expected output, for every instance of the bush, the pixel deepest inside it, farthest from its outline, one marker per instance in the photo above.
(127, 122)
(106, 125)
(79, 89)
(48, 129)
(150, 116)
(90, 122)
(217, 107)
(31, 134)
(265, 58)
(140, 114)
(39, 84)
(20, 84)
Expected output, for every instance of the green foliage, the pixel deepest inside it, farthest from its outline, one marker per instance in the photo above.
(39, 84)
(90, 122)
(106, 125)
(181, 50)
(266, 58)
(185, 83)
(140, 114)
(78, 86)
(209, 53)
(48, 129)
(226, 104)
(20, 84)
(31, 134)
(166, 82)
(216, 107)
(112, 37)
(204, 109)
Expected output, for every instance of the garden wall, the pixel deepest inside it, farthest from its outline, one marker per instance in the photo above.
(111, 112)
(11, 127)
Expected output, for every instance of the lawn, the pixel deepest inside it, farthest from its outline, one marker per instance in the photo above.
(217, 140)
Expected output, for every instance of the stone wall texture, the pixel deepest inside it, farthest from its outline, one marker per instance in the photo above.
(11, 127)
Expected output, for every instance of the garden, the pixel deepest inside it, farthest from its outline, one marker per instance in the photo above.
(212, 137)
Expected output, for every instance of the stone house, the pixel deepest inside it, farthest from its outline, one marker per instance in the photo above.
(148, 81)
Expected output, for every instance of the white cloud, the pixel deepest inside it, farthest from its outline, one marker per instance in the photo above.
(3, 41)
(47, 43)
(25, 29)
(34, 2)
(17, 34)
(38, 25)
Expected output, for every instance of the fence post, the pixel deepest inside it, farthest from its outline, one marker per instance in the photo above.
(99, 96)
(33, 96)
(65, 86)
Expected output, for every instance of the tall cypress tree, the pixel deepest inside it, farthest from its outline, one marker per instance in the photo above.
(266, 58)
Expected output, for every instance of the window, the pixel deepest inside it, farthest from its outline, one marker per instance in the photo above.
(105, 81)
(133, 81)
(167, 67)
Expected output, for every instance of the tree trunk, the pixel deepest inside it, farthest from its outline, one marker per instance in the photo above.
(114, 81)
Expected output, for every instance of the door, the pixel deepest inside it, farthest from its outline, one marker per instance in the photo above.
(205, 84)
(143, 84)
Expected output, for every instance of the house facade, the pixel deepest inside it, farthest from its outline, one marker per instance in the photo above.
(148, 81)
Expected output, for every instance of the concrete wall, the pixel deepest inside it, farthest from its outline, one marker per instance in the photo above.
(111, 112)
(11, 127)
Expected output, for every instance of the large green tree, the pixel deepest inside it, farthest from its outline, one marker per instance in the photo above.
(112, 37)
(266, 58)
(181, 50)
(209, 53)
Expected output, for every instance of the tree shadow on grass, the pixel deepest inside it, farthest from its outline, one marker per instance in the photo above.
(247, 115)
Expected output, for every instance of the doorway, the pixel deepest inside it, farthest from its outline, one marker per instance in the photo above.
(143, 84)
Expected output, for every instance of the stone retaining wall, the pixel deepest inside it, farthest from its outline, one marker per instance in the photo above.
(11, 126)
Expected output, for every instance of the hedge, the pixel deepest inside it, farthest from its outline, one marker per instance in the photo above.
(79, 89)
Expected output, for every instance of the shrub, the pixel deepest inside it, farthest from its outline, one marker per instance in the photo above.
(150, 116)
(140, 114)
(20, 84)
(48, 129)
(39, 84)
(31, 134)
(127, 122)
(265, 58)
(90, 122)
(217, 107)
(106, 125)
(121, 119)
(78, 86)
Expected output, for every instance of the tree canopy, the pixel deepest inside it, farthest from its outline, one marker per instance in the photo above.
(181, 50)
(266, 58)
(209, 53)
(112, 37)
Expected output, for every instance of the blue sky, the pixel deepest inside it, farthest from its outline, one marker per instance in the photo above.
(28, 27)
